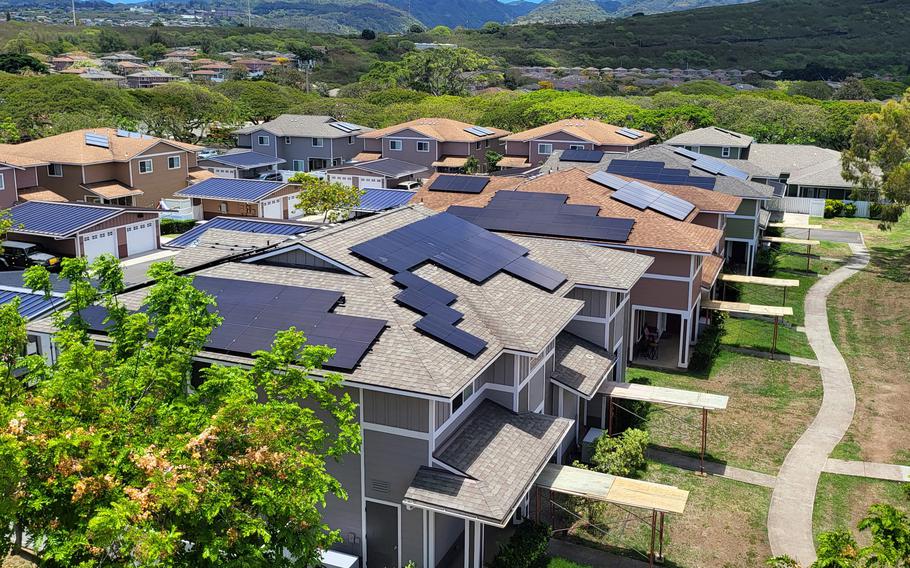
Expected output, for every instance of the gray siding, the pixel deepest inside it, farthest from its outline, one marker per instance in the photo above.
(390, 463)
(501, 372)
(590, 331)
(396, 410)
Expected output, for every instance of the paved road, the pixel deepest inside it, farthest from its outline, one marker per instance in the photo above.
(826, 235)
(793, 498)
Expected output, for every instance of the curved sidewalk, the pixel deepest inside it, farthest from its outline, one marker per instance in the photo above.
(790, 513)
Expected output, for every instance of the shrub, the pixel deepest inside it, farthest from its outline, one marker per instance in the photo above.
(765, 261)
(708, 345)
(837, 207)
(175, 226)
(849, 209)
(875, 210)
(526, 549)
(622, 455)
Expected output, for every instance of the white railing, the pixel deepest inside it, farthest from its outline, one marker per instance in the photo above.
(811, 206)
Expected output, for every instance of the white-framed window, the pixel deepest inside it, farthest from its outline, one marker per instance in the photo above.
(423, 146)
(145, 166)
(395, 145)
(350, 139)
(478, 145)
(55, 170)
(545, 149)
(2, 182)
(725, 152)
(262, 140)
(298, 166)
(222, 207)
(173, 162)
(461, 397)
(287, 139)
(576, 147)
(318, 143)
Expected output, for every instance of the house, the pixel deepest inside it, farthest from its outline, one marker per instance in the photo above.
(115, 58)
(18, 173)
(254, 67)
(82, 229)
(149, 78)
(243, 227)
(129, 67)
(106, 165)
(714, 141)
(242, 198)
(241, 164)
(205, 76)
(183, 52)
(458, 419)
(532, 147)
(102, 75)
(441, 144)
(381, 173)
(304, 142)
(683, 240)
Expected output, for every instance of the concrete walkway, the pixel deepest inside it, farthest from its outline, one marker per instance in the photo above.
(711, 467)
(873, 470)
(790, 514)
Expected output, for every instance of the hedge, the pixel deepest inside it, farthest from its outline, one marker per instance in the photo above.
(175, 226)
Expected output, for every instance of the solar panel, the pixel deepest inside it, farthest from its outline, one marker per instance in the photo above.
(642, 196)
(345, 126)
(656, 172)
(526, 269)
(629, 133)
(638, 196)
(445, 332)
(673, 206)
(587, 156)
(99, 140)
(608, 180)
(460, 184)
(712, 165)
(478, 131)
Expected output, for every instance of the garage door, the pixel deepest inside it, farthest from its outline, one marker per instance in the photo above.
(141, 238)
(368, 182)
(225, 172)
(293, 212)
(271, 209)
(96, 244)
(337, 178)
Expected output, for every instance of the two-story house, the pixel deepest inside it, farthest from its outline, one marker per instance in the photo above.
(305, 142)
(468, 376)
(108, 166)
(439, 144)
(714, 141)
(18, 175)
(531, 148)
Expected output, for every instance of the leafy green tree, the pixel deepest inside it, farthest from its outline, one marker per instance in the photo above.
(184, 111)
(127, 464)
(333, 200)
(9, 133)
(368, 34)
(622, 455)
(813, 89)
(890, 530)
(152, 52)
(853, 89)
(109, 41)
(17, 63)
(435, 71)
(304, 52)
(260, 101)
(471, 166)
(781, 562)
(416, 29)
(879, 156)
(836, 549)
(492, 158)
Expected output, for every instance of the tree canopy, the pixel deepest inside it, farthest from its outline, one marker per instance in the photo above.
(441, 71)
(16, 63)
(333, 200)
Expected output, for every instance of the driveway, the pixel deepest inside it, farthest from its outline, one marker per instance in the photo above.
(826, 235)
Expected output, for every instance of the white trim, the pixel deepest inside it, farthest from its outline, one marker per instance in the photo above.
(306, 249)
(540, 149)
(431, 530)
(179, 162)
(400, 145)
(363, 488)
(419, 142)
(638, 248)
(60, 175)
(151, 166)
(389, 504)
(260, 138)
(395, 430)
(667, 277)
(321, 144)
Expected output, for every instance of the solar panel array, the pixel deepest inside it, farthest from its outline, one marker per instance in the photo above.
(657, 172)
(588, 156)
(712, 165)
(99, 140)
(479, 131)
(545, 214)
(253, 312)
(642, 196)
(629, 133)
(459, 184)
(123, 133)
(462, 248)
(345, 126)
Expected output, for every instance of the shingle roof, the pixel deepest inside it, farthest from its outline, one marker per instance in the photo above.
(315, 126)
(59, 219)
(389, 167)
(39, 193)
(580, 365)
(442, 129)
(70, 147)
(374, 200)
(11, 155)
(806, 165)
(111, 189)
(710, 268)
(244, 225)
(246, 160)
(594, 131)
(711, 136)
(499, 452)
(232, 189)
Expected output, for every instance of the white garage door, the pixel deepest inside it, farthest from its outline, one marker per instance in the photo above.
(225, 172)
(271, 209)
(338, 178)
(293, 212)
(96, 244)
(371, 182)
(141, 238)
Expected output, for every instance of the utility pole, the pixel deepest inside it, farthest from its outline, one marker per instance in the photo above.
(74, 13)
(249, 15)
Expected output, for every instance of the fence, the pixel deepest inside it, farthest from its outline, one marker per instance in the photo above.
(811, 206)
(177, 209)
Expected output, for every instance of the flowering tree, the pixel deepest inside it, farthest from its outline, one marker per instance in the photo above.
(127, 464)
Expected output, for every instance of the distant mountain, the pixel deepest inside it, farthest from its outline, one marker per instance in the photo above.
(566, 12)
(631, 7)
(466, 13)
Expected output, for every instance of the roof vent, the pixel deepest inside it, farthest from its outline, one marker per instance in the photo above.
(381, 486)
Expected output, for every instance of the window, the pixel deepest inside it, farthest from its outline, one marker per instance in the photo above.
(55, 170)
(478, 145)
(298, 166)
(350, 139)
(486, 144)
(461, 397)
(145, 166)
(262, 140)
(725, 152)
(423, 146)
(318, 142)
(2, 182)
(337, 161)
(545, 149)
(222, 207)
(576, 147)
(173, 162)
(395, 145)
(287, 139)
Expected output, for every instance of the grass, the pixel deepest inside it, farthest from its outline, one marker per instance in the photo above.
(869, 316)
(842, 500)
(563, 563)
(771, 404)
(758, 335)
(725, 513)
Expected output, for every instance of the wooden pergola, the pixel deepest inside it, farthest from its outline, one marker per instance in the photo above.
(809, 243)
(776, 312)
(761, 281)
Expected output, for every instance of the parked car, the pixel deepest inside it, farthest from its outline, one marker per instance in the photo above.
(271, 176)
(207, 153)
(22, 255)
(409, 185)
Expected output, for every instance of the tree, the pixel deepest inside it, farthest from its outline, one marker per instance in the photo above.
(126, 464)
(416, 29)
(9, 134)
(259, 101)
(435, 71)
(16, 63)
(109, 41)
(853, 89)
(470, 166)
(333, 200)
(621, 455)
(781, 562)
(890, 531)
(368, 34)
(304, 52)
(813, 89)
(152, 52)
(184, 111)
(12, 346)
(836, 549)
(878, 158)
(492, 158)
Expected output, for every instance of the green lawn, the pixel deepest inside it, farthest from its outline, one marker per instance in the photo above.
(771, 404)
(842, 500)
(758, 335)
(563, 563)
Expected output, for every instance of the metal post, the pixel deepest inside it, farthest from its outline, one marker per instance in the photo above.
(704, 437)
(808, 257)
(609, 416)
(552, 516)
(537, 502)
(653, 535)
(774, 337)
(660, 554)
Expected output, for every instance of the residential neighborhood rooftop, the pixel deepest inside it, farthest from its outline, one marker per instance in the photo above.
(594, 131)
(711, 136)
(316, 126)
(441, 129)
(88, 146)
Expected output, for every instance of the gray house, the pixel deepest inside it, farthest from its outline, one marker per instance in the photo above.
(304, 142)
(468, 384)
(714, 141)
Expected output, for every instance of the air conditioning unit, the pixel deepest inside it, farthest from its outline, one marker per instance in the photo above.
(587, 445)
(332, 559)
